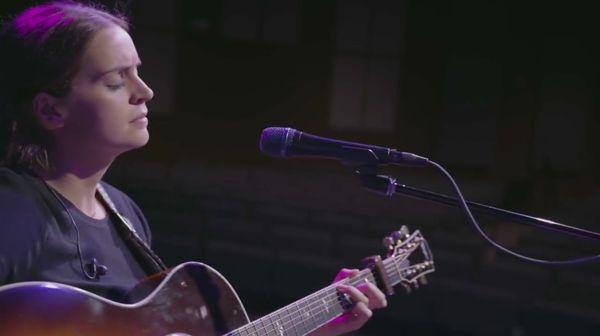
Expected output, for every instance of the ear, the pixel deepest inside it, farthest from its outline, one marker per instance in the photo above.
(47, 111)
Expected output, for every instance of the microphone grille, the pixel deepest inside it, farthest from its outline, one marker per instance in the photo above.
(274, 141)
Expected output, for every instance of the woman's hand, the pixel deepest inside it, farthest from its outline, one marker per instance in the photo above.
(366, 297)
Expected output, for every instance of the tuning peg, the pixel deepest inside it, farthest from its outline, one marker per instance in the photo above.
(397, 236)
(402, 234)
(388, 243)
(423, 280)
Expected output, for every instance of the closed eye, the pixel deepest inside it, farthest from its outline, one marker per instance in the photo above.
(120, 75)
(115, 87)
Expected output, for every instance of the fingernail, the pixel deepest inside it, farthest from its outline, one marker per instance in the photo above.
(342, 288)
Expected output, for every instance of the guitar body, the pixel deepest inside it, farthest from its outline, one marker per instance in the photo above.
(191, 299)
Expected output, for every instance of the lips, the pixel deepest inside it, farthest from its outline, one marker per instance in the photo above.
(140, 117)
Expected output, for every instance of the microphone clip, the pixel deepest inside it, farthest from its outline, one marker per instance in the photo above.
(95, 269)
(380, 184)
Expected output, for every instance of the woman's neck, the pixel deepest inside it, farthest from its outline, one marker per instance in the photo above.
(77, 183)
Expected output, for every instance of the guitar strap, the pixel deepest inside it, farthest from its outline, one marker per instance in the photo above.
(149, 260)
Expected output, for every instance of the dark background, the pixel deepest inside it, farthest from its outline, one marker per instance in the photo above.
(502, 93)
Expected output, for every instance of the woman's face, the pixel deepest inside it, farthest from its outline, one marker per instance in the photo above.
(105, 110)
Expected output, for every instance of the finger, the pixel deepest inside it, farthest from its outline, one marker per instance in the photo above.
(361, 312)
(359, 315)
(355, 295)
(349, 321)
(345, 273)
(376, 297)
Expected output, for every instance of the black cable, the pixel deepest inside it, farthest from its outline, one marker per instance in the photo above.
(94, 275)
(471, 219)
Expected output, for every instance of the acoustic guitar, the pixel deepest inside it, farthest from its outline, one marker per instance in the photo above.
(194, 299)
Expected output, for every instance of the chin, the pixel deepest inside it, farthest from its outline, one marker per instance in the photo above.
(139, 141)
(142, 141)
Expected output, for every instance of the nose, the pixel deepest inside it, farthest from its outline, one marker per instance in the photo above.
(142, 93)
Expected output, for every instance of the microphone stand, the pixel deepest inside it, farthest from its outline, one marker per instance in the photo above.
(365, 164)
(388, 186)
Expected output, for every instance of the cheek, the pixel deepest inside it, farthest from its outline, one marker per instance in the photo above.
(82, 119)
(97, 114)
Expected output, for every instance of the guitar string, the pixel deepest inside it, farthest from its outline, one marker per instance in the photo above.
(389, 264)
(295, 322)
(286, 312)
(267, 324)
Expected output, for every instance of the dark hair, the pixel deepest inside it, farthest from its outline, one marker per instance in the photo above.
(41, 51)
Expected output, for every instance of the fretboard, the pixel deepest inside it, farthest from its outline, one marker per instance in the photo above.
(309, 313)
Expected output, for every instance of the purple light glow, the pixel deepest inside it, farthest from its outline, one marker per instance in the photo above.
(40, 20)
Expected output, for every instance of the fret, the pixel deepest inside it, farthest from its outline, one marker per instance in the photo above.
(279, 329)
(270, 326)
(306, 314)
(296, 320)
(266, 326)
(255, 330)
(251, 330)
(281, 319)
(286, 320)
(260, 326)
(238, 332)
(299, 319)
(325, 306)
(311, 312)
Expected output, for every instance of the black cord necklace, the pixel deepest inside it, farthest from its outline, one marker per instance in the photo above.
(150, 261)
(96, 270)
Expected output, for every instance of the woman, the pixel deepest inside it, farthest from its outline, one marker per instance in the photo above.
(71, 101)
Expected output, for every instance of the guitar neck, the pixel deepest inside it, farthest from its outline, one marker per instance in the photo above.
(311, 312)
(306, 314)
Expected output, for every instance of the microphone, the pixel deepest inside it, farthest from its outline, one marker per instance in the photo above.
(285, 142)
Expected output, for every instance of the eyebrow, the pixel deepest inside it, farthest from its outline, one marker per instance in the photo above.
(119, 69)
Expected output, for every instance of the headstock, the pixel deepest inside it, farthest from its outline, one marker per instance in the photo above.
(408, 260)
